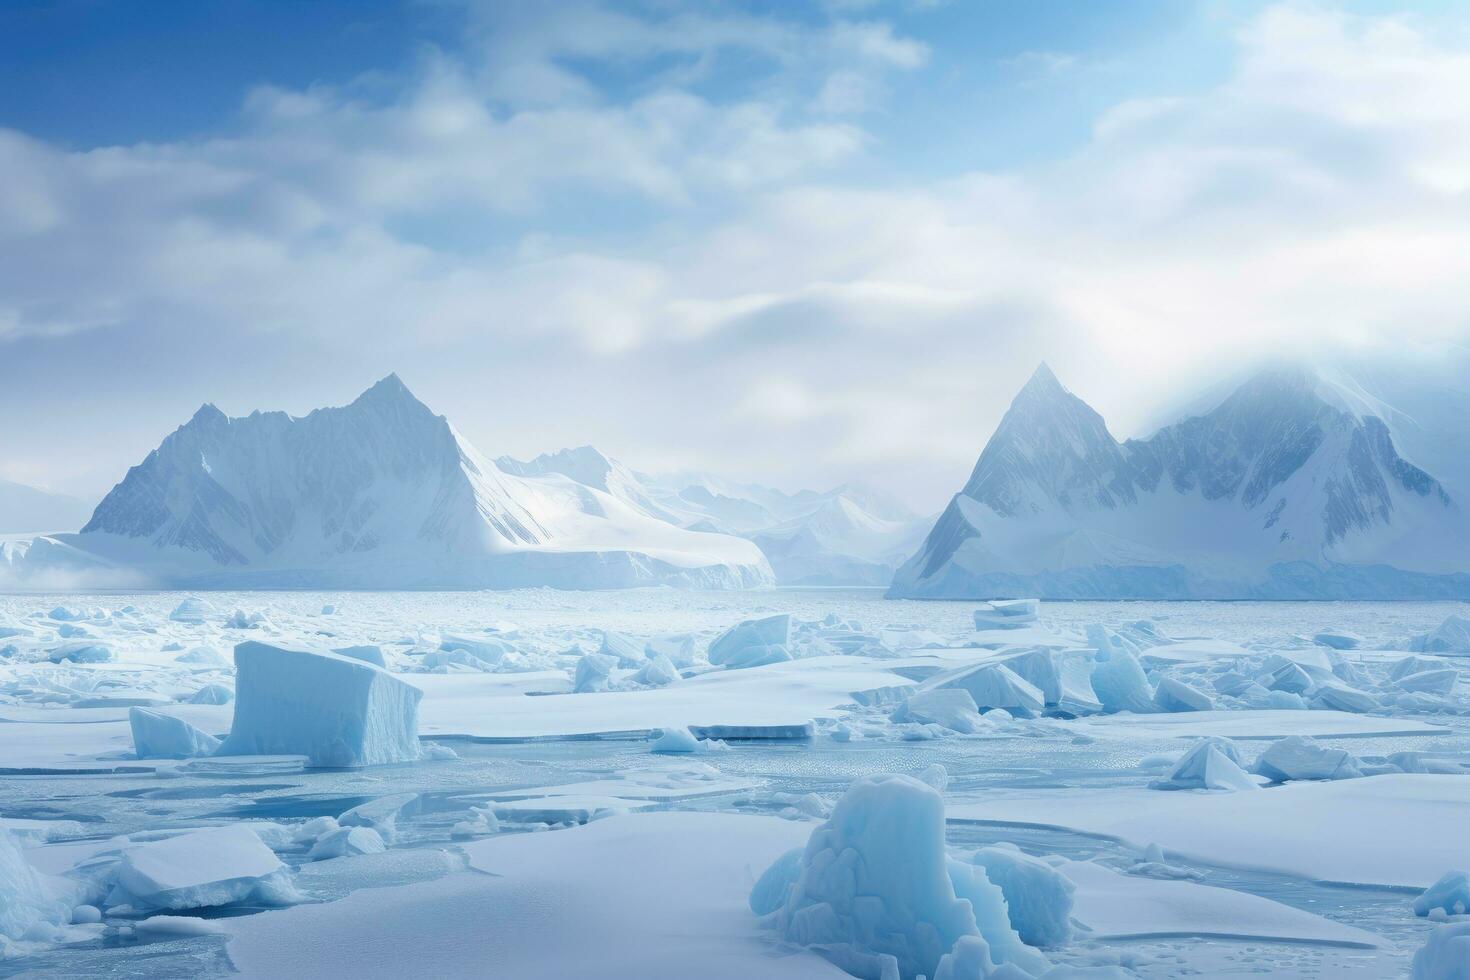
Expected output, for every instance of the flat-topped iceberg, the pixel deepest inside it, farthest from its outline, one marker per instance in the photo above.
(336, 711)
(202, 868)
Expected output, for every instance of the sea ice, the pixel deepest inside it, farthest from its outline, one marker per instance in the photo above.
(345, 842)
(753, 643)
(627, 651)
(336, 711)
(1120, 683)
(160, 736)
(217, 866)
(82, 652)
(192, 610)
(1451, 637)
(1338, 639)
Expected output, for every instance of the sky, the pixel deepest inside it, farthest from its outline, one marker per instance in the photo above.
(797, 244)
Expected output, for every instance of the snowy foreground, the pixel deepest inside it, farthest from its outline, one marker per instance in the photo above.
(668, 784)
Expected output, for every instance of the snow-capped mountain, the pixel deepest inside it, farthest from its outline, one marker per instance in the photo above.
(1289, 487)
(30, 509)
(851, 535)
(381, 493)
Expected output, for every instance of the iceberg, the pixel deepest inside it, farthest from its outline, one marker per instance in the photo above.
(202, 868)
(753, 643)
(1038, 896)
(336, 711)
(872, 891)
(160, 736)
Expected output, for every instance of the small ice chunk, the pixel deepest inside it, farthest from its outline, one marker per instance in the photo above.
(593, 672)
(873, 891)
(368, 653)
(1213, 763)
(160, 736)
(992, 685)
(753, 643)
(1038, 896)
(951, 708)
(218, 866)
(1120, 683)
(192, 610)
(241, 620)
(159, 928)
(1289, 677)
(1340, 697)
(1440, 681)
(627, 651)
(336, 711)
(1338, 639)
(1446, 956)
(678, 647)
(1413, 665)
(1299, 757)
(674, 740)
(1450, 894)
(206, 656)
(212, 694)
(30, 902)
(380, 814)
(1175, 695)
(657, 671)
(1007, 614)
(486, 650)
(1451, 637)
(81, 652)
(345, 842)
(936, 776)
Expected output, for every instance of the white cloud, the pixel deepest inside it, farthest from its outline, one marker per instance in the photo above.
(792, 324)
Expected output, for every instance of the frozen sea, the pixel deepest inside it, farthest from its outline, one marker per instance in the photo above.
(548, 761)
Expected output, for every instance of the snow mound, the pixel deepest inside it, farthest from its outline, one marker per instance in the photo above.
(160, 736)
(199, 869)
(873, 891)
(336, 711)
(753, 643)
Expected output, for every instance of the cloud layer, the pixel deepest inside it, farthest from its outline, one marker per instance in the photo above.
(675, 237)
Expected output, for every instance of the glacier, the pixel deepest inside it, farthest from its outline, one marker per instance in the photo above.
(1288, 488)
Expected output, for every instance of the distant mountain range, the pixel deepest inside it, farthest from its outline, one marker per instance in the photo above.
(850, 535)
(1289, 486)
(381, 493)
(26, 509)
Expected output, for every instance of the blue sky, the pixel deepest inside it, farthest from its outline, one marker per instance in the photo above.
(792, 243)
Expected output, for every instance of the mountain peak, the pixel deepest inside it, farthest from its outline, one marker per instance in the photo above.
(1043, 380)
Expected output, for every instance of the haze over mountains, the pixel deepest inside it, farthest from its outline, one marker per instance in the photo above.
(1291, 486)
(28, 509)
